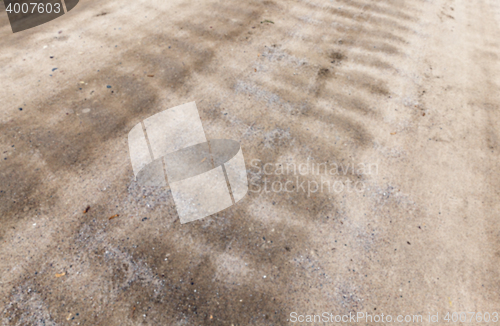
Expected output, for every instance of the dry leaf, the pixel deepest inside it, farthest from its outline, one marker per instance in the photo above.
(151, 75)
(60, 275)
(112, 217)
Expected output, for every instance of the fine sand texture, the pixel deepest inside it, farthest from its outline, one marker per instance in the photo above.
(395, 102)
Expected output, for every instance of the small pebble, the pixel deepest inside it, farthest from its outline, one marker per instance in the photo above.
(20, 109)
(109, 86)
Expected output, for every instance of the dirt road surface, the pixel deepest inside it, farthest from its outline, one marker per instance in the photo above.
(409, 87)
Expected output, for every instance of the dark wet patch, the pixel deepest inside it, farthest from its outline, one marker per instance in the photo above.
(74, 140)
(392, 11)
(226, 22)
(323, 72)
(174, 61)
(24, 190)
(373, 85)
(336, 57)
(374, 62)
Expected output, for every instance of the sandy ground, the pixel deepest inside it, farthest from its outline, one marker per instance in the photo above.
(409, 86)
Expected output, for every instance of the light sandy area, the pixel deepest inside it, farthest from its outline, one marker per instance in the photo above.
(410, 87)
